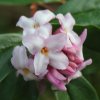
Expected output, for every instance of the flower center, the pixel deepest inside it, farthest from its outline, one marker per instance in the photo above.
(26, 71)
(44, 51)
(65, 29)
(36, 25)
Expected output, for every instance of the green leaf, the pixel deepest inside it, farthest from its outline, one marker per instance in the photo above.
(26, 1)
(93, 37)
(47, 93)
(81, 89)
(77, 6)
(85, 12)
(13, 88)
(5, 65)
(94, 67)
(61, 95)
(9, 40)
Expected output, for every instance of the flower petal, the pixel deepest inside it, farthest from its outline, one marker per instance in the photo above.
(74, 38)
(70, 20)
(57, 83)
(56, 42)
(45, 31)
(58, 75)
(40, 63)
(43, 16)
(25, 22)
(67, 22)
(79, 53)
(27, 77)
(84, 64)
(28, 31)
(58, 60)
(33, 43)
(83, 36)
(19, 58)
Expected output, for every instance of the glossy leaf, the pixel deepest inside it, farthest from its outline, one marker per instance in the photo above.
(94, 67)
(13, 88)
(85, 12)
(62, 95)
(46, 93)
(26, 1)
(9, 40)
(81, 89)
(5, 65)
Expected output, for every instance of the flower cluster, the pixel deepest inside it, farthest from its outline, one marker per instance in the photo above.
(55, 56)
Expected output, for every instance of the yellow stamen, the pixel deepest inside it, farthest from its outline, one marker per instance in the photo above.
(26, 71)
(44, 51)
(65, 30)
(36, 25)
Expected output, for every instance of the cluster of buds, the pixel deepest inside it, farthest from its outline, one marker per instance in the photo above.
(54, 56)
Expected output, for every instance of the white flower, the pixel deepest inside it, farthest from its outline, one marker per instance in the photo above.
(40, 20)
(47, 51)
(67, 22)
(22, 64)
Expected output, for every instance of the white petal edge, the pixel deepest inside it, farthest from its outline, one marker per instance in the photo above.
(56, 42)
(40, 63)
(33, 43)
(58, 60)
(43, 16)
(19, 58)
(25, 22)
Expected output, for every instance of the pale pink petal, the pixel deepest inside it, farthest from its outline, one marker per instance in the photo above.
(40, 63)
(58, 60)
(42, 75)
(68, 42)
(56, 42)
(77, 60)
(19, 58)
(28, 31)
(60, 85)
(48, 26)
(79, 53)
(73, 65)
(84, 64)
(58, 75)
(25, 22)
(43, 16)
(70, 20)
(33, 43)
(31, 65)
(61, 19)
(83, 36)
(45, 31)
(70, 50)
(67, 22)
(70, 70)
(74, 38)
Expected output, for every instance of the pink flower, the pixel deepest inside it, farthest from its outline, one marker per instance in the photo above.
(40, 20)
(46, 51)
(67, 22)
(57, 79)
(22, 63)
